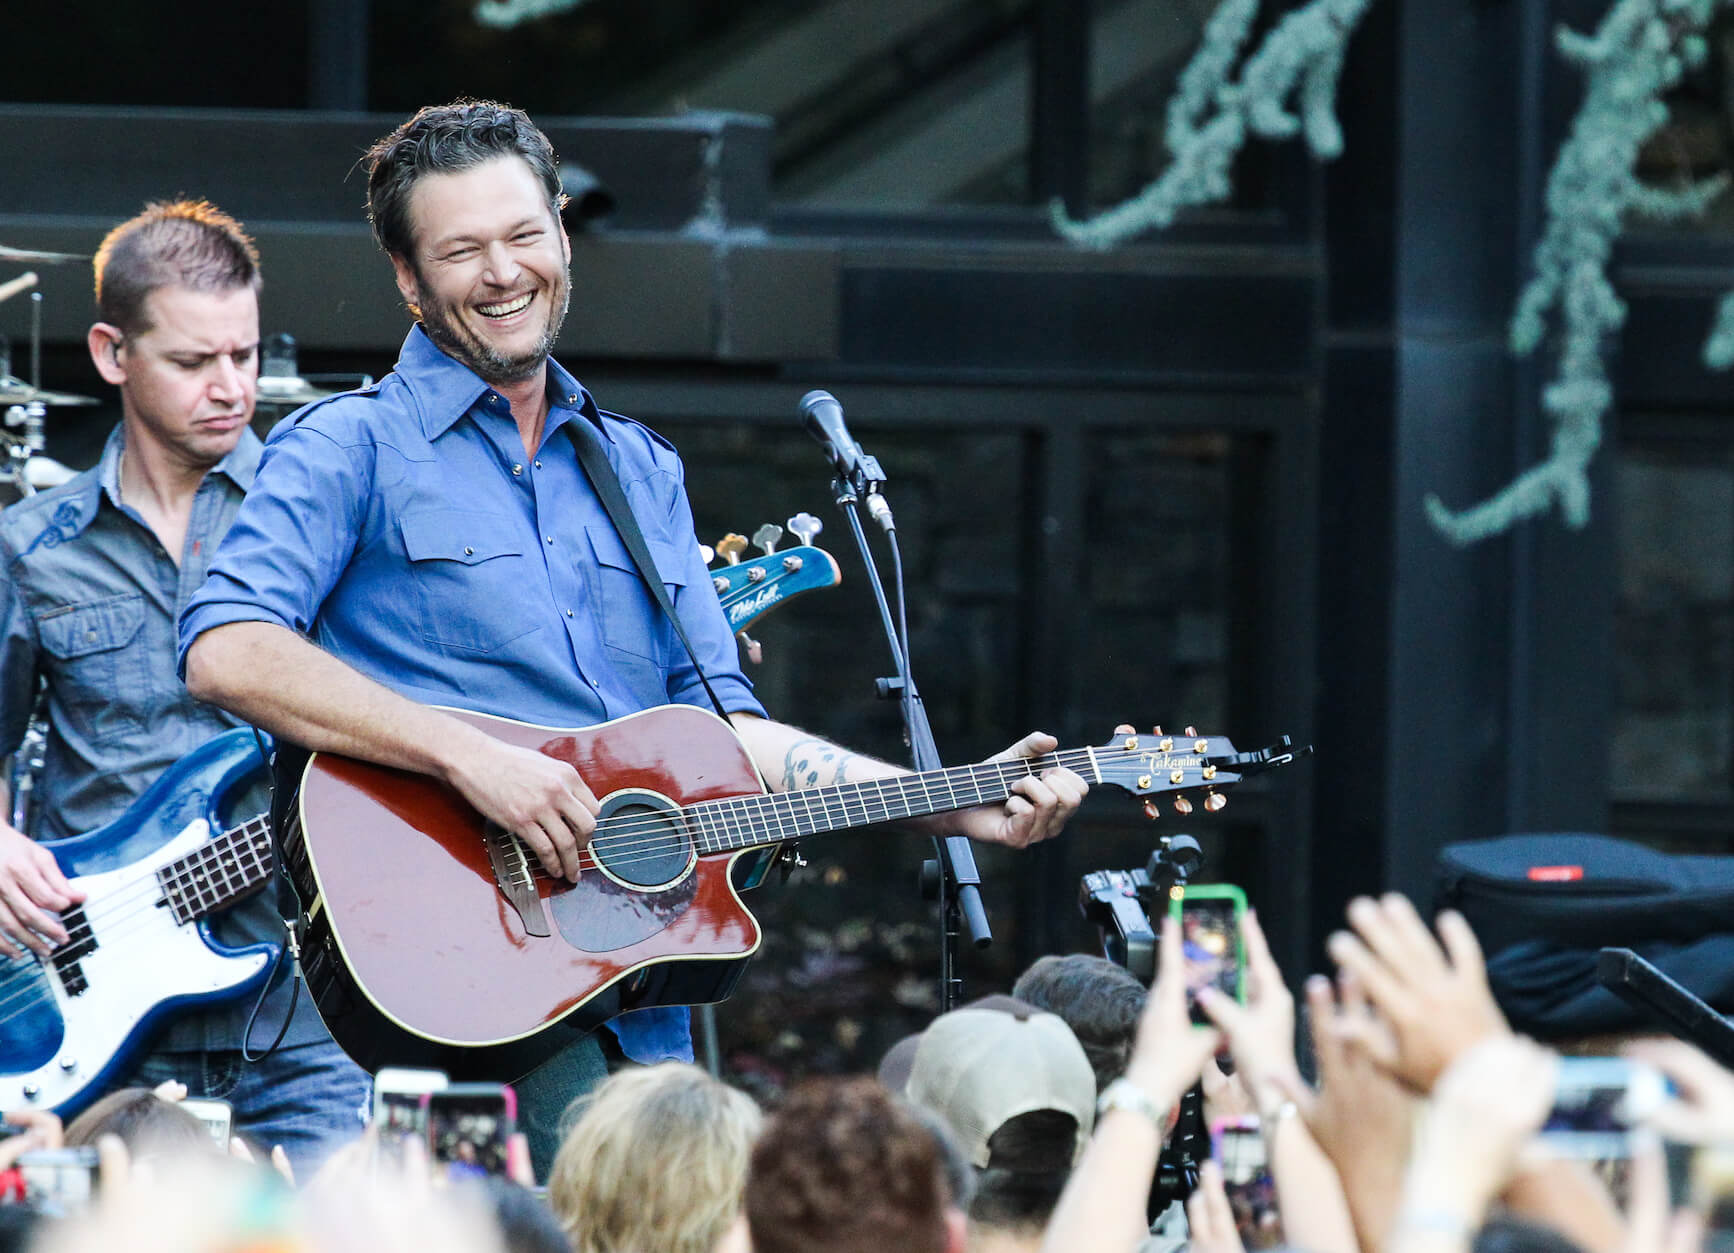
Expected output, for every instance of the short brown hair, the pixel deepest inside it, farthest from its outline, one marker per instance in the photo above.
(172, 243)
(657, 1160)
(448, 139)
(845, 1167)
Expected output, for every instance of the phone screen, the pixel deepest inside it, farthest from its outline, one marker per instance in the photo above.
(1596, 1101)
(59, 1181)
(398, 1110)
(1210, 936)
(468, 1126)
(217, 1117)
(1240, 1151)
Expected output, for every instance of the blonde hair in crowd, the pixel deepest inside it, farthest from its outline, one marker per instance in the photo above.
(657, 1160)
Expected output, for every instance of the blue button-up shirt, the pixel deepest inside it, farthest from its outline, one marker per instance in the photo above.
(88, 606)
(405, 530)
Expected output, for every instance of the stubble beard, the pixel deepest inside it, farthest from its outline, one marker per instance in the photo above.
(490, 364)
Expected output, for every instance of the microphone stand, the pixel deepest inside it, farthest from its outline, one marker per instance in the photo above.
(959, 882)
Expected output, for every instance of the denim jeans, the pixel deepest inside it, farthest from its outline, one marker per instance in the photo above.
(309, 1098)
(545, 1096)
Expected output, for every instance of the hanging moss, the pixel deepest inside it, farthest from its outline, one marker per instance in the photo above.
(1641, 50)
(1211, 114)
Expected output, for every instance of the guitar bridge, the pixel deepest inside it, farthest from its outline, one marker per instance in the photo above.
(516, 878)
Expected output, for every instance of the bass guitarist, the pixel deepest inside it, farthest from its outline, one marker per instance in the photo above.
(97, 572)
(434, 540)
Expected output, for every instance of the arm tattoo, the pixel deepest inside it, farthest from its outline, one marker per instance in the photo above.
(815, 763)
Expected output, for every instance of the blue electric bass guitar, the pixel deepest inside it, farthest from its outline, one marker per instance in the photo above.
(138, 948)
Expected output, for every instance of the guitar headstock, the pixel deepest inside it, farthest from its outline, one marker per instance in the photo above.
(1191, 769)
(751, 588)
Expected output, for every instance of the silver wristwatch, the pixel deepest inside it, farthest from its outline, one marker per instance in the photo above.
(1124, 1094)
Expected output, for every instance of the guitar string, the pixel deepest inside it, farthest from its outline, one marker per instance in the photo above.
(730, 816)
(1000, 771)
(118, 924)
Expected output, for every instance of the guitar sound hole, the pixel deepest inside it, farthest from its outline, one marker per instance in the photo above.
(640, 843)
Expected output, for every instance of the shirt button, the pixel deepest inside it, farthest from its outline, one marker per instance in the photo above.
(594, 683)
(517, 469)
(538, 464)
(469, 552)
(493, 399)
(572, 399)
(549, 538)
(568, 613)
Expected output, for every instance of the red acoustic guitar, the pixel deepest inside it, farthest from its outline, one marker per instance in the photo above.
(435, 939)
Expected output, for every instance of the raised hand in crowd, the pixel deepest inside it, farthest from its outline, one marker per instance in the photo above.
(1701, 1110)
(1486, 1106)
(38, 1129)
(1210, 1217)
(1432, 997)
(1103, 1205)
(1260, 1034)
(1361, 1115)
(1652, 1225)
(1431, 1005)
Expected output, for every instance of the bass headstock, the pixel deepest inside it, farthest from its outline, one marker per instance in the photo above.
(751, 587)
(1189, 769)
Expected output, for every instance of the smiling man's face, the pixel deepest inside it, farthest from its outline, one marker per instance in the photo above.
(487, 274)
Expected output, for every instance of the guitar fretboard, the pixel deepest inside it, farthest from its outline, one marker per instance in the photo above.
(744, 821)
(219, 872)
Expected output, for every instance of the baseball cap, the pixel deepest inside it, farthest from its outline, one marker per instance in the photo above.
(983, 1065)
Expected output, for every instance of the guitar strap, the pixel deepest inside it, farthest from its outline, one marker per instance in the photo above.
(594, 459)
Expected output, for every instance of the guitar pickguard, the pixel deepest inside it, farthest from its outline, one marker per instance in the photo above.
(645, 881)
(599, 915)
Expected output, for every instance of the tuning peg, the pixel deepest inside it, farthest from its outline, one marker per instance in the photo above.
(721, 584)
(1167, 744)
(1151, 811)
(707, 552)
(755, 654)
(1157, 730)
(766, 537)
(1201, 747)
(805, 527)
(1191, 733)
(1182, 806)
(730, 547)
(1215, 801)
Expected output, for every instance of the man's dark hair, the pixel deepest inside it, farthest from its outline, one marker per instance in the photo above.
(1099, 1001)
(845, 1167)
(1029, 1160)
(448, 139)
(177, 243)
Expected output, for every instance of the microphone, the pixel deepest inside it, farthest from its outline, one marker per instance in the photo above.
(824, 419)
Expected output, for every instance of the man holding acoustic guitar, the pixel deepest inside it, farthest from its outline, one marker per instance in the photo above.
(97, 572)
(438, 540)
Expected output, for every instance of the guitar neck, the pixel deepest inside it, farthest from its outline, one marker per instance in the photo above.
(219, 872)
(748, 821)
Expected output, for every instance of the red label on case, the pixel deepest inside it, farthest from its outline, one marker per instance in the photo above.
(1555, 874)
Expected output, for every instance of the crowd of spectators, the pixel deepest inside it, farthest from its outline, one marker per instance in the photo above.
(1032, 1122)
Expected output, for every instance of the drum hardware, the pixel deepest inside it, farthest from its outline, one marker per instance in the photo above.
(281, 383)
(33, 256)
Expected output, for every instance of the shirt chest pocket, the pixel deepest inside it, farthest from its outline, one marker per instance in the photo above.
(100, 677)
(472, 580)
(632, 622)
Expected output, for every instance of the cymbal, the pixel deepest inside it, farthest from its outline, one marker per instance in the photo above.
(289, 389)
(18, 392)
(31, 256)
